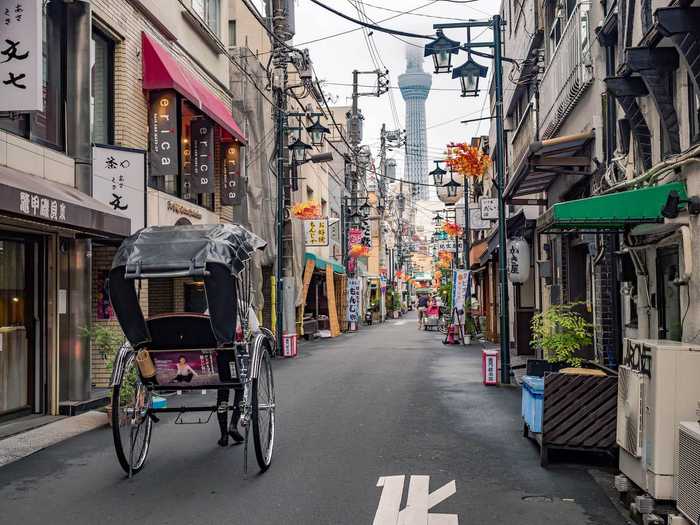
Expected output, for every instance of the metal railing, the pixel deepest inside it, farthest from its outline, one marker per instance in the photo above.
(569, 72)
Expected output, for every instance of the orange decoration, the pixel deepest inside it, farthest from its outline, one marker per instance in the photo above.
(452, 229)
(359, 250)
(307, 210)
(467, 160)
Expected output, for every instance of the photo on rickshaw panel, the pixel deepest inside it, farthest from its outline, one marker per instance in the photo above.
(192, 368)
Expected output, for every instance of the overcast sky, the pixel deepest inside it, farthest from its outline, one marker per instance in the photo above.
(335, 58)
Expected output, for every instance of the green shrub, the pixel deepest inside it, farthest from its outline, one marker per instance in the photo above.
(560, 332)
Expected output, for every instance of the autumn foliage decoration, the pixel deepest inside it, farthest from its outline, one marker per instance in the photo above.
(307, 210)
(468, 161)
(452, 229)
(358, 250)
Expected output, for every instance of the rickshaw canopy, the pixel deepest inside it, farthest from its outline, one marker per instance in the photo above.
(218, 253)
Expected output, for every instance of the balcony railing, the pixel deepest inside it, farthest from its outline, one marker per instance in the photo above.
(569, 73)
(523, 136)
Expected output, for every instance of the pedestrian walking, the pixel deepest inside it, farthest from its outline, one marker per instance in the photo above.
(422, 305)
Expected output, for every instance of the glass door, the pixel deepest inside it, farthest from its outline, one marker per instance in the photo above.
(16, 327)
(668, 293)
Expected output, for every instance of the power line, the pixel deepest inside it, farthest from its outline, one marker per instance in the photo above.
(414, 14)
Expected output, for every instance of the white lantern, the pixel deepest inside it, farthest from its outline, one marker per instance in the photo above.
(518, 260)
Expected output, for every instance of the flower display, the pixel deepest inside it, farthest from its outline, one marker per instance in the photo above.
(307, 210)
(468, 161)
(437, 274)
(452, 229)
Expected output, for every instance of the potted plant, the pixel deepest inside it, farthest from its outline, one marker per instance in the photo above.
(107, 340)
(560, 332)
(571, 407)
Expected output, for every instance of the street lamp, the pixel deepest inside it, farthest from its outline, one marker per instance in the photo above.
(449, 193)
(442, 49)
(317, 131)
(437, 220)
(298, 149)
(469, 74)
(438, 174)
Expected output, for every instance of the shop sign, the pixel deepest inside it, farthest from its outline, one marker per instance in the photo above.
(476, 222)
(119, 181)
(460, 287)
(42, 207)
(518, 261)
(21, 55)
(490, 367)
(446, 246)
(163, 137)
(202, 156)
(316, 232)
(181, 209)
(353, 299)
(489, 209)
(231, 183)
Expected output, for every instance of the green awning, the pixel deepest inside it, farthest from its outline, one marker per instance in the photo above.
(321, 263)
(610, 212)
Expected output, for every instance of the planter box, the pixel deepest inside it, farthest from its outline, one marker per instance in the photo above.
(579, 413)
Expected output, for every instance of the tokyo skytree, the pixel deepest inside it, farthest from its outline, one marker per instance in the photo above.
(415, 86)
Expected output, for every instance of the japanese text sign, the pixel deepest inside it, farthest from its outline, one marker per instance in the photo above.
(42, 207)
(163, 137)
(119, 181)
(21, 56)
(353, 300)
(489, 209)
(476, 222)
(231, 183)
(202, 164)
(316, 232)
(460, 287)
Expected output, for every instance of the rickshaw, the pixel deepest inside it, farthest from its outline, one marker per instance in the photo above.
(187, 352)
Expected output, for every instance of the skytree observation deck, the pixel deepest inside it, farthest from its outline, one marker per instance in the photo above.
(415, 86)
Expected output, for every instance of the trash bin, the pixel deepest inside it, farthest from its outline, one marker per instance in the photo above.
(533, 402)
(489, 366)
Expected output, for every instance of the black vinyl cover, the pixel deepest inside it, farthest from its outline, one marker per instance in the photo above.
(186, 248)
(218, 252)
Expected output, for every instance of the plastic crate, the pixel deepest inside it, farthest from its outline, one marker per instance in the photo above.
(533, 402)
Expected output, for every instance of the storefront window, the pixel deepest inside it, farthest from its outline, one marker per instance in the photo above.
(102, 89)
(668, 294)
(46, 127)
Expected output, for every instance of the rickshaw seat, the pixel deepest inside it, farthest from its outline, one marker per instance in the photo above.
(180, 331)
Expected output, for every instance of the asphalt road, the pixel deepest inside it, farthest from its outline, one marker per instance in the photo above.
(387, 401)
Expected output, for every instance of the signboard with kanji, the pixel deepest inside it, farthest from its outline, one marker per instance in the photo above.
(475, 220)
(353, 300)
(119, 181)
(316, 232)
(489, 209)
(21, 55)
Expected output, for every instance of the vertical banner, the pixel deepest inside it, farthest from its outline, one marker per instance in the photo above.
(202, 155)
(353, 300)
(21, 55)
(231, 188)
(460, 285)
(119, 181)
(163, 137)
(186, 163)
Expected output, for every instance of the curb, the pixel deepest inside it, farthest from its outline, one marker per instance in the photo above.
(27, 443)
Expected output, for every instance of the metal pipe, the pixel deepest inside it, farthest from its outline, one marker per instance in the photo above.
(500, 174)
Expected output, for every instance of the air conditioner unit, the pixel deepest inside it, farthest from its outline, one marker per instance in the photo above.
(658, 387)
(689, 471)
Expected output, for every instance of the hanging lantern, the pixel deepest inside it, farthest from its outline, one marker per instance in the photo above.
(442, 49)
(518, 260)
(317, 131)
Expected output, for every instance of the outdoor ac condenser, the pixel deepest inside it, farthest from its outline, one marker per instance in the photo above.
(658, 387)
(689, 470)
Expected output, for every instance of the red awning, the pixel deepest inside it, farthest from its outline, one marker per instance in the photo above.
(161, 70)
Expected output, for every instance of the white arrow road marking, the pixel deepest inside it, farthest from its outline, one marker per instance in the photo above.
(419, 502)
(389, 501)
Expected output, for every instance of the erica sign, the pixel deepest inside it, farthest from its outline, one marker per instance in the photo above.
(21, 81)
(231, 189)
(202, 156)
(163, 156)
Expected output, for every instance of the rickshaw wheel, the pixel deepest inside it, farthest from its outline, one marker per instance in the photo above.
(263, 412)
(131, 424)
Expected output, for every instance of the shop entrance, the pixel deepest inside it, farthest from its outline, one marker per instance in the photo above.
(21, 363)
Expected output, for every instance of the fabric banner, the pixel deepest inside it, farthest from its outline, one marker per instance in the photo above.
(163, 137)
(460, 287)
(231, 183)
(202, 156)
(353, 300)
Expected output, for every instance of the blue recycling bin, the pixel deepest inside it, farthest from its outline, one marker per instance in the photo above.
(533, 402)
